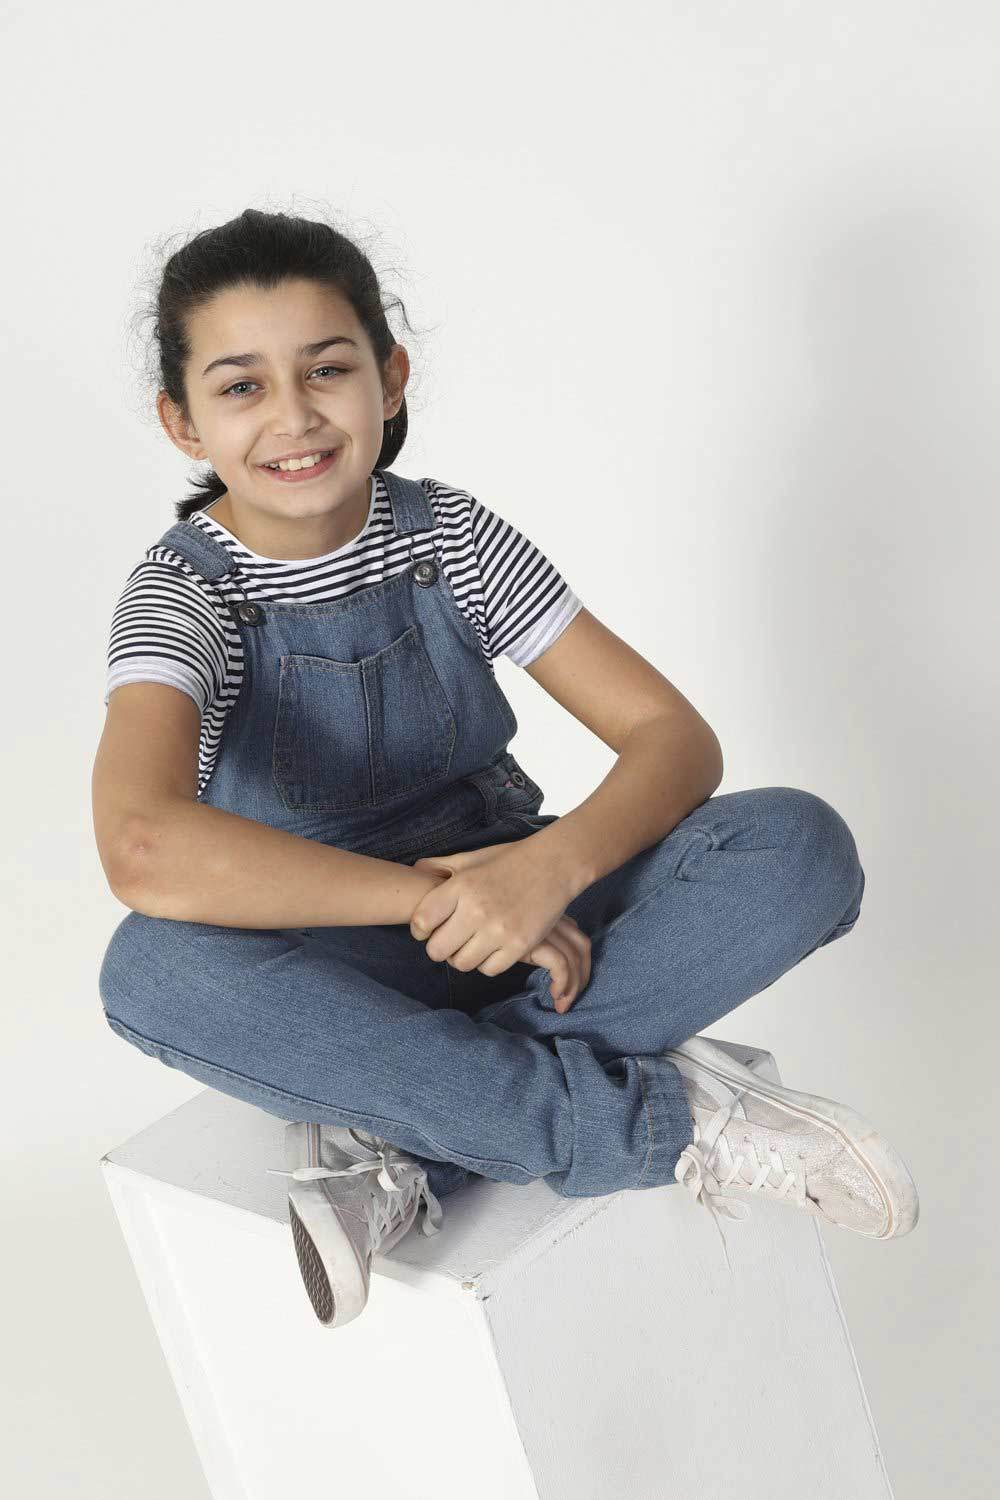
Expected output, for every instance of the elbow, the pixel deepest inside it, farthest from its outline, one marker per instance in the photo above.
(713, 758)
(131, 866)
(135, 896)
(692, 743)
(705, 752)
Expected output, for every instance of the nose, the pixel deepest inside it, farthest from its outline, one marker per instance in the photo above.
(295, 414)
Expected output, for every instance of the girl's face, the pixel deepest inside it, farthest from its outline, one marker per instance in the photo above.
(283, 396)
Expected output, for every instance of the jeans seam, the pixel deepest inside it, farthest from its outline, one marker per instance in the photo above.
(656, 890)
(649, 1120)
(497, 1006)
(297, 1099)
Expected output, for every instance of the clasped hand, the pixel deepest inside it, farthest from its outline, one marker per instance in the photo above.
(500, 905)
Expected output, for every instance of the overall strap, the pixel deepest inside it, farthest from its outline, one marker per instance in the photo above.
(207, 556)
(411, 509)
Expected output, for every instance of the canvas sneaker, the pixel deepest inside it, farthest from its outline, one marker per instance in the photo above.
(351, 1197)
(755, 1138)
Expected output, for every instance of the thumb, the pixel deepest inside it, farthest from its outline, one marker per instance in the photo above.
(437, 866)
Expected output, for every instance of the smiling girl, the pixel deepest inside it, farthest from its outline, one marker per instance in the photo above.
(346, 906)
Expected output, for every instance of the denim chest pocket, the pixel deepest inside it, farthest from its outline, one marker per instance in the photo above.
(352, 734)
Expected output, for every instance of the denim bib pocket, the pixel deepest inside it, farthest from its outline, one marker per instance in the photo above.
(353, 734)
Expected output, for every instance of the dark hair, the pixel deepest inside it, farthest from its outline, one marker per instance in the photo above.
(263, 249)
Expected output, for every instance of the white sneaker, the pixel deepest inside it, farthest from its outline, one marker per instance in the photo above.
(342, 1214)
(754, 1136)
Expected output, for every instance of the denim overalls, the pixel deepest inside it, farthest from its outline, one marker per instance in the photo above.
(373, 722)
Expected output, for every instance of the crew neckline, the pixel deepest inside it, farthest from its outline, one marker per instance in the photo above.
(291, 561)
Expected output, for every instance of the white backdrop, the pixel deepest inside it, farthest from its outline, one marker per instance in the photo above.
(707, 303)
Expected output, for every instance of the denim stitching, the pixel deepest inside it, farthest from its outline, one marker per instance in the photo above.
(443, 835)
(440, 835)
(285, 715)
(649, 1121)
(499, 1006)
(656, 891)
(366, 595)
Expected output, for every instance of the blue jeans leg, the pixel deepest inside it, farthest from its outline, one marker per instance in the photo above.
(740, 891)
(311, 1026)
(357, 1026)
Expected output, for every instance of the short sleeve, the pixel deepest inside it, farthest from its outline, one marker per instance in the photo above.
(527, 602)
(165, 628)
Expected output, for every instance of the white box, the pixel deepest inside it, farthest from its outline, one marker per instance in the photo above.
(538, 1346)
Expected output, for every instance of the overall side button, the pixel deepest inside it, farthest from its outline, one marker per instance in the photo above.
(248, 612)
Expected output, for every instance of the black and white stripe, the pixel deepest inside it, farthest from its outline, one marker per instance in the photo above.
(170, 625)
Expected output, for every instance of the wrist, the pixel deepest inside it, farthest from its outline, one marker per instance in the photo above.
(414, 885)
(563, 859)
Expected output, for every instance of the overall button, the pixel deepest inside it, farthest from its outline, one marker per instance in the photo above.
(425, 573)
(517, 778)
(248, 613)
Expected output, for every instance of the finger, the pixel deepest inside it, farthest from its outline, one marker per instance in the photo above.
(577, 945)
(462, 860)
(580, 943)
(561, 964)
(450, 938)
(499, 961)
(440, 865)
(476, 954)
(433, 908)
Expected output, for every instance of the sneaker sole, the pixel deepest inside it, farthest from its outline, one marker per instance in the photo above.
(884, 1165)
(334, 1278)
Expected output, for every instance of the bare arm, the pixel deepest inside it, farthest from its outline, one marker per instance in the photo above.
(196, 863)
(669, 758)
(167, 855)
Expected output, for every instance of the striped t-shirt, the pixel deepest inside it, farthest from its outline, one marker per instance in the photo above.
(171, 625)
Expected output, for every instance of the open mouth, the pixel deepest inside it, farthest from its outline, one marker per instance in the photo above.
(297, 475)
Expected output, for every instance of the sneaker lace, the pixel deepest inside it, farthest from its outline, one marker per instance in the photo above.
(710, 1155)
(381, 1212)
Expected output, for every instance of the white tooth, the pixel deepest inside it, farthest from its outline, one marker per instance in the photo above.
(299, 463)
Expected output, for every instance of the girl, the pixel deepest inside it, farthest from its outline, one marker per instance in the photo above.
(346, 905)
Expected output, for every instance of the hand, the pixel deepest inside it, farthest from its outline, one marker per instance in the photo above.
(501, 905)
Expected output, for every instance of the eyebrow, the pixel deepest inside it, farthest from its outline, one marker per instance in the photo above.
(258, 359)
